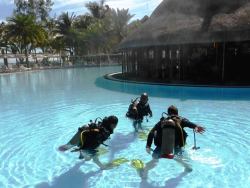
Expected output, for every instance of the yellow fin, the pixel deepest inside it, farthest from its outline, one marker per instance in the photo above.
(137, 164)
(119, 161)
(143, 136)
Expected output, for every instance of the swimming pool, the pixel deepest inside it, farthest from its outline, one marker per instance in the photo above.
(41, 110)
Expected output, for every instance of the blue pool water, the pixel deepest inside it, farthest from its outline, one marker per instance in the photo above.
(40, 111)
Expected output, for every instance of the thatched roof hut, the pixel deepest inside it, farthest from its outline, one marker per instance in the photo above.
(193, 21)
(191, 41)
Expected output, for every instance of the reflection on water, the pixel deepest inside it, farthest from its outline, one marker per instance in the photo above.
(40, 111)
(180, 92)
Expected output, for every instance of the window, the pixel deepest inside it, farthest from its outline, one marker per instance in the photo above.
(151, 54)
(163, 54)
(178, 54)
(135, 54)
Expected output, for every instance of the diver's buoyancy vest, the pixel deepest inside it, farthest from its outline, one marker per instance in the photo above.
(181, 135)
(92, 136)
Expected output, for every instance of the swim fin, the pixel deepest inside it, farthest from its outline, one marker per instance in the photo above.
(137, 164)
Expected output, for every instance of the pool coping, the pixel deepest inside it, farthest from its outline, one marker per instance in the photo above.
(110, 76)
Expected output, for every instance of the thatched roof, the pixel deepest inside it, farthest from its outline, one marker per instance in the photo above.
(193, 21)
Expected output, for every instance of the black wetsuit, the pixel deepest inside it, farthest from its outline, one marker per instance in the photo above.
(139, 112)
(143, 110)
(156, 132)
(93, 136)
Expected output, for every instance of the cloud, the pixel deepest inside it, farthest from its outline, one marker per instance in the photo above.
(6, 10)
(59, 4)
(7, 2)
(137, 7)
(133, 4)
(77, 8)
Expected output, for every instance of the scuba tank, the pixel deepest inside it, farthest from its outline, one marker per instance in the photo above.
(170, 128)
(91, 126)
(97, 132)
(168, 138)
(132, 109)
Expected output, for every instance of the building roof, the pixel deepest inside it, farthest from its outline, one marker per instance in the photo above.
(193, 21)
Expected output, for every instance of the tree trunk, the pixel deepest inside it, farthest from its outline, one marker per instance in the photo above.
(27, 58)
(36, 57)
(5, 60)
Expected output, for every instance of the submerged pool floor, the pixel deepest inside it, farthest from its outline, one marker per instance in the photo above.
(40, 111)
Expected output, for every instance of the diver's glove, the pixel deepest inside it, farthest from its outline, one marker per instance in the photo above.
(199, 129)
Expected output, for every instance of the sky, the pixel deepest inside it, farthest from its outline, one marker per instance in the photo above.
(139, 8)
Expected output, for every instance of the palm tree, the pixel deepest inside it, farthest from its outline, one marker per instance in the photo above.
(120, 18)
(51, 31)
(98, 10)
(65, 30)
(83, 21)
(38, 8)
(25, 32)
(3, 43)
(1, 34)
(109, 31)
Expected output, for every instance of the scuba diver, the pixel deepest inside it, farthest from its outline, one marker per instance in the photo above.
(169, 134)
(89, 137)
(137, 110)
(169, 137)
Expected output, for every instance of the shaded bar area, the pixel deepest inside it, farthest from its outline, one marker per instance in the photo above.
(175, 46)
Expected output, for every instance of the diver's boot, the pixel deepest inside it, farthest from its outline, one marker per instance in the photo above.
(81, 155)
(188, 169)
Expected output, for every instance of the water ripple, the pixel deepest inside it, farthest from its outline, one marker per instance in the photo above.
(38, 115)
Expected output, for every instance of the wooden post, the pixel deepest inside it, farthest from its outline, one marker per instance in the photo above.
(170, 64)
(223, 62)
